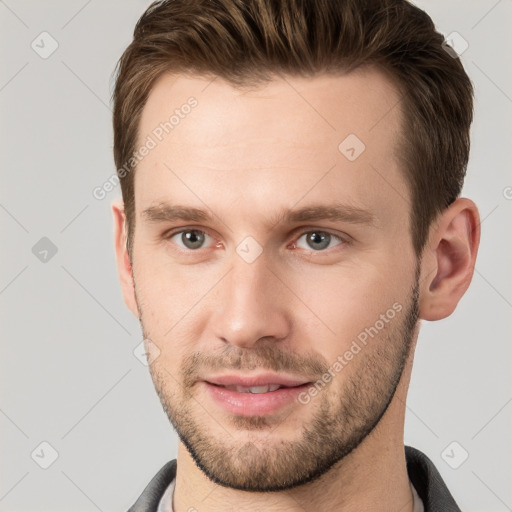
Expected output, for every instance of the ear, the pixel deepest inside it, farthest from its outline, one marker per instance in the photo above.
(448, 260)
(124, 266)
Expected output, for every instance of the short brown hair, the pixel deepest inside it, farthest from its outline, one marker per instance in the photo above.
(247, 42)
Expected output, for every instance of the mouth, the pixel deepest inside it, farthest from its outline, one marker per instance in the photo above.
(265, 388)
(257, 380)
(254, 389)
(260, 395)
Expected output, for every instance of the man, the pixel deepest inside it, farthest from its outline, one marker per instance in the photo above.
(291, 177)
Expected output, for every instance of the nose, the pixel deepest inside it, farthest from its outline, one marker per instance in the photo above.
(250, 305)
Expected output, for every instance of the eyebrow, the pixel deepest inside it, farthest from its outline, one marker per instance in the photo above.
(164, 212)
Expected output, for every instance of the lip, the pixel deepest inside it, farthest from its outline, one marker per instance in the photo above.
(254, 404)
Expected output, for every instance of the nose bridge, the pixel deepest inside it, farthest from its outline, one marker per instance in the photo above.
(250, 304)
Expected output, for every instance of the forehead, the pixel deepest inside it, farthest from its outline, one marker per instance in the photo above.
(292, 139)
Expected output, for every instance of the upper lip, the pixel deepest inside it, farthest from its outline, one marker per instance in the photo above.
(256, 380)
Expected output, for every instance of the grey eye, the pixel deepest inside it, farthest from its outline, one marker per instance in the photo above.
(317, 240)
(190, 239)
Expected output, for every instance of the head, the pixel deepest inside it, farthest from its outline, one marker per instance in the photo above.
(295, 211)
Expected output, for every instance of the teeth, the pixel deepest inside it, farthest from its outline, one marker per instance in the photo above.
(254, 389)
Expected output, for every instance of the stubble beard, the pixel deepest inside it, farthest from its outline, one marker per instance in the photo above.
(342, 419)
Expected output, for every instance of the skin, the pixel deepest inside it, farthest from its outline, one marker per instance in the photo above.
(245, 156)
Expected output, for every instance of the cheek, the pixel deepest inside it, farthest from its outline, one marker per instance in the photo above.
(338, 304)
(345, 296)
(167, 291)
(163, 308)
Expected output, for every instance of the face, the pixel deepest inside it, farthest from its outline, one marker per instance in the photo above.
(272, 249)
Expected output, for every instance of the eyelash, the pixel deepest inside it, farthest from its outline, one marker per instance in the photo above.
(300, 234)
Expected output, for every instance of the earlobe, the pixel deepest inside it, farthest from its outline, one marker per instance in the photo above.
(449, 259)
(124, 265)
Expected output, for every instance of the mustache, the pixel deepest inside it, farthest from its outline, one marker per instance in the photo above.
(264, 357)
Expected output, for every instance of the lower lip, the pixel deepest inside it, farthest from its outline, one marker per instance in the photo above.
(254, 404)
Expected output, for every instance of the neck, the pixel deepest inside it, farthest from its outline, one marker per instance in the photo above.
(372, 477)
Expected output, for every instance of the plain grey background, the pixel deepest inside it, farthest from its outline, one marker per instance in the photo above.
(69, 376)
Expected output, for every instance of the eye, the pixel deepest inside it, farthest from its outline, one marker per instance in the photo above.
(190, 239)
(318, 240)
(196, 239)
